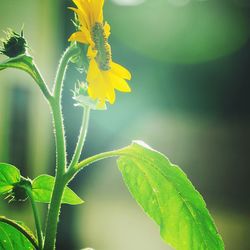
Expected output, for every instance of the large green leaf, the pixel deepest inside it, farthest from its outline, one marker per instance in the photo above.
(9, 175)
(42, 188)
(166, 195)
(22, 62)
(14, 236)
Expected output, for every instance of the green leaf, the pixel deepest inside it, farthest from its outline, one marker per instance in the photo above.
(42, 188)
(9, 175)
(13, 235)
(22, 62)
(166, 195)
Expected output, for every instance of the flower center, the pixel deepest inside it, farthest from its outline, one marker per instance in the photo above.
(103, 56)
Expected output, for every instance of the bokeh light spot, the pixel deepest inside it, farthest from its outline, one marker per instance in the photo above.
(128, 2)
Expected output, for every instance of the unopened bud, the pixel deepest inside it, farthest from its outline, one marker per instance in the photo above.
(14, 44)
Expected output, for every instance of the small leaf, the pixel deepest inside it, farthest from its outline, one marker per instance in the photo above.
(22, 62)
(14, 235)
(9, 175)
(166, 195)
(42, 188)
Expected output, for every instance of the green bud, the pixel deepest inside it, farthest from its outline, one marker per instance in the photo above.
(80, 95)
(14, 44)
(19, 192)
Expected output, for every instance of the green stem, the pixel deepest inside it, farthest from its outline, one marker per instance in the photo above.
(53, 215)
(37, 220)
(60, 74)
(82, 137)
(28, 65)
(74, 170)
(56, 107)
(41, 83)
(59, 132)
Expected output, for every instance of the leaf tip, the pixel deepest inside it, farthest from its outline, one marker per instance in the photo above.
(142, 144)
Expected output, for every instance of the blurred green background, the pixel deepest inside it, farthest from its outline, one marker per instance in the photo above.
(190, 100)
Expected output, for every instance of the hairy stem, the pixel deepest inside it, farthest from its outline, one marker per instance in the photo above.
(59, 132)
(37, 220)
(82, 137)
(74, 170)
(56, 107)
(60, 74)
(41, 83)
(53, 215)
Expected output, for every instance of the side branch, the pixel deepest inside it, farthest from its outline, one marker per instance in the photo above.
(81, 139)
(74, 170)
(60, 74)
(41, 83)
(37, 219)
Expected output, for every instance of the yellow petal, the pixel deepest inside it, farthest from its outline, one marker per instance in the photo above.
(97, 89)
(91, 53)
(100, 86)
(79, 36)
(93, 71)
(95, 92)
(110, 91)
(111, 95)
(85, 6)
(82, 16)
(120, 71)
(107, 29)
(119, 83)
(99, 10)
(78, 3)
(88, 4)
(82, 5)
(88, 36)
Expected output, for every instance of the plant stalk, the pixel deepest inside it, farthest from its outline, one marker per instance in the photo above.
(74, 170)
(81, 139)
(61, 162)
(41, 83)
(61, 70)
(37, 220)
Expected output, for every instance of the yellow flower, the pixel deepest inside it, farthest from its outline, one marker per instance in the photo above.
(104, 75)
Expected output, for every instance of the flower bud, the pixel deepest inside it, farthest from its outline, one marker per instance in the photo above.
(18, 192)
(14, 44)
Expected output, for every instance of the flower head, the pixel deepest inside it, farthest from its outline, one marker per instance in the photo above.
(103, 75)
(17, 191)
(14, 44)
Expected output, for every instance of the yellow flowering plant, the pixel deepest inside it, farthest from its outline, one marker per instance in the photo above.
(160, 187)
(103, 75)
